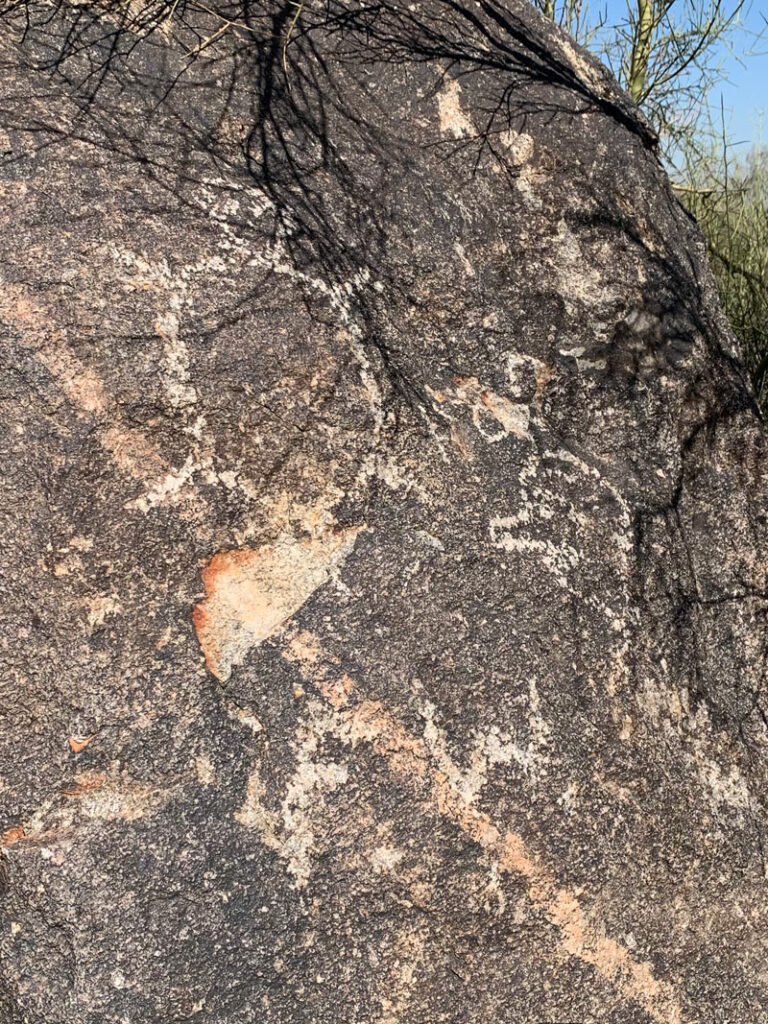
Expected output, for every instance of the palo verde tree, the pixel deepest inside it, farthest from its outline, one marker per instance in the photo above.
(667, 54)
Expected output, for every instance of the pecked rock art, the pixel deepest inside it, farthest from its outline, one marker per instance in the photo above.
(250, 593)
(383, 534)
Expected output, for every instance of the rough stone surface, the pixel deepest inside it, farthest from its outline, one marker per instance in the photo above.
(383, 534)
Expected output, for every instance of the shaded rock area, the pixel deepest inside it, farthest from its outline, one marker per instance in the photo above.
(383, 533)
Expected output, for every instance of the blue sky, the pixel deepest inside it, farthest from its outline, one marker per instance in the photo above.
(745, 91)
(745, 94)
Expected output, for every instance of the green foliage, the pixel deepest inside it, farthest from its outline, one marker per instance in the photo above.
(667, 54)
(729, 198)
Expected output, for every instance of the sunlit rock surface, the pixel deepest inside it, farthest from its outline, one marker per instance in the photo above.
(383, 535)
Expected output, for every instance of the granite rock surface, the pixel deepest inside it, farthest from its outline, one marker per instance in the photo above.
(383, 516)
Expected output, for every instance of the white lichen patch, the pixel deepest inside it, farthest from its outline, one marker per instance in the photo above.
(251, 593)
(569, 797)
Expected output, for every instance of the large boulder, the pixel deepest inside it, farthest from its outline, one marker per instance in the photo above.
(383, 533)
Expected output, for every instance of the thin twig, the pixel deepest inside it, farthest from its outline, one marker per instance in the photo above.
(299, 8)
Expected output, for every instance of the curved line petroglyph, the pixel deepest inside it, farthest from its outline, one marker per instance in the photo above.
(360, 720)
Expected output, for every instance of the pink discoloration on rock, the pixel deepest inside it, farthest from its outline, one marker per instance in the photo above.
(251, 593)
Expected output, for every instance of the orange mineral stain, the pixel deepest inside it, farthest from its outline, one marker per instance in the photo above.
(250, 593)
(12, 835)
(78, 743)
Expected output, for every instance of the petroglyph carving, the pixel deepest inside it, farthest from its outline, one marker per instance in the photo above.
(251, 593)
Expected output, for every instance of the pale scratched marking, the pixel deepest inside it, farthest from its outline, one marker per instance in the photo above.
(396, 997)
(588, 74)
(169, 487)
(142, 273)
(131, 449)
(287, 510)
(458, 248)
(95, 796)
(366, 721)
(557, 560)
(453, 120)
(275, 258)
(100, 607)
(205, 773)
(520, 147)
(133, 452)
(385, 859)
(579, 279)
(519, 365)
(177, 382)
(117, 800)
(513, 417)
(291, 832)
(252, 592)
(253, 813)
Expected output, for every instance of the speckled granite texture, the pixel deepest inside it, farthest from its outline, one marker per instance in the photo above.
(383, 523)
